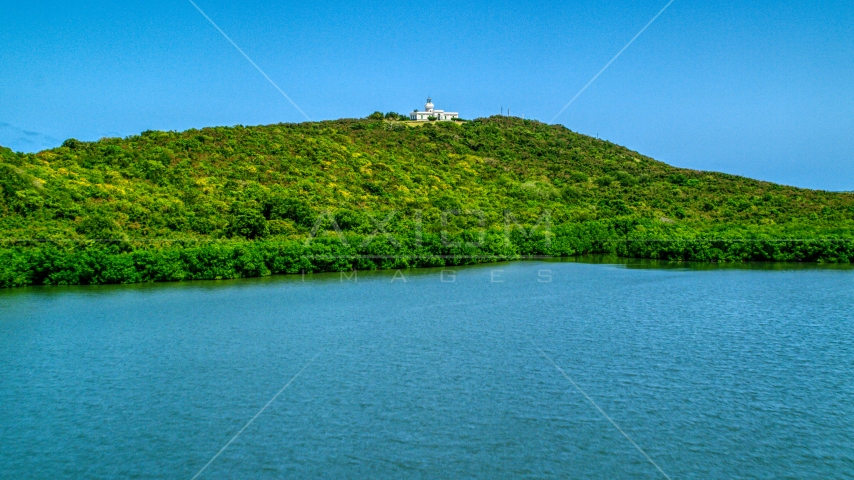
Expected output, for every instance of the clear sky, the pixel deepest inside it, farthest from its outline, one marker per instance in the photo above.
(757, 88)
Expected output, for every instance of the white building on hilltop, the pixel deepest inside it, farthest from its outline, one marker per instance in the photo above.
(430, 112)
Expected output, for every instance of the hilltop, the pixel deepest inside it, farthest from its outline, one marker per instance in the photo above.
(225, 202)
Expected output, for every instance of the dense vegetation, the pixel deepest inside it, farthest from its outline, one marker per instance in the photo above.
(382, 193)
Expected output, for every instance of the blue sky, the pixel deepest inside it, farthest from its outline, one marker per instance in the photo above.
(762, 89)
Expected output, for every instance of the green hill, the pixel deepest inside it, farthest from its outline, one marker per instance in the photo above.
(248, 201)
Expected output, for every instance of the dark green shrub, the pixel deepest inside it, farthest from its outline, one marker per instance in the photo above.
(98, 226)
(604, 181)
(626, 179)
(578, 177)
(678, 179)
(280, 207)
(247, 221)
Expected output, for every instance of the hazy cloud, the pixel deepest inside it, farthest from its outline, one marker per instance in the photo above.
(22, 140)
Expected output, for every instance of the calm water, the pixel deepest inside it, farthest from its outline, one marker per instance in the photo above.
(713, 373)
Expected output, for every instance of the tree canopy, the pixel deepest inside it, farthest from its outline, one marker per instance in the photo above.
(179, 205)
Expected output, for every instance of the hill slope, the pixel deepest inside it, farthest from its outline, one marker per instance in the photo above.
(243, 201)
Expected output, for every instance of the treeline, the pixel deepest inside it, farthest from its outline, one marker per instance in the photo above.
(92, 262)
(226, 202)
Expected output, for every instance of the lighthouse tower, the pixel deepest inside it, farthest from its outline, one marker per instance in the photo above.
(430, 113)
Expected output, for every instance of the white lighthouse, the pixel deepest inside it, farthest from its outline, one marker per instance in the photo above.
(431, 113)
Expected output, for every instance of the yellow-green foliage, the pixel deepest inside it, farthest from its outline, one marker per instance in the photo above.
(269, 184)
